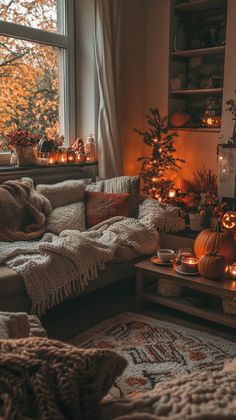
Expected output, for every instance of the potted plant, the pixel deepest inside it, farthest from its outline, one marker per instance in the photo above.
(23, 143)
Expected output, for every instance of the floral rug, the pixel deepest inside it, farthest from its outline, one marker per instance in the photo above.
(155, 350)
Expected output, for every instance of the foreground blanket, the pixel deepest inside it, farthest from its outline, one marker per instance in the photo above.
(58, 266)
(200, 396)
(22, 212)
(47, 379)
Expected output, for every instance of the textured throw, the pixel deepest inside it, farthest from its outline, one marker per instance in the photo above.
(156, 351)
(163, 217)
(47, 379)
(58, 266)
(22, 212)
(199, 396)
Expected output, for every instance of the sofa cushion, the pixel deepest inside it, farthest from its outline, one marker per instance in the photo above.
(42, 378)
(10, 282)
(102, 206)
(70, 217)
(120, 185)
(14, 325)
(63, 193)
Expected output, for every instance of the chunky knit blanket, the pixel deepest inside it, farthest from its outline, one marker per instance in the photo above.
(22, 212)
(47, 379)
(199, 396)
(58, 266)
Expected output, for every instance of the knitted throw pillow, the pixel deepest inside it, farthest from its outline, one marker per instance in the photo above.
(63, 193)
(101, 206)
(48, 379)
(70, 217)
(120, 185)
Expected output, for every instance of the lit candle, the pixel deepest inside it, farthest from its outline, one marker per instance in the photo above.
(189, 264)
(172, 193)
(51, 160)
(232, 270)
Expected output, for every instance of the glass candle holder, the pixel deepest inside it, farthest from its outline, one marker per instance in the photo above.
(232, 270)
(189, 264)
(183, 252)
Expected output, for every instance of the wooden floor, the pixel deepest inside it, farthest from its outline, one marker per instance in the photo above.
(70, 318)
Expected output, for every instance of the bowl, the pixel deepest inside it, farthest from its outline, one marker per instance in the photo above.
(165, 255)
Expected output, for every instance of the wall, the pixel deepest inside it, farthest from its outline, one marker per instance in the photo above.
(197, 148)
(132, 82)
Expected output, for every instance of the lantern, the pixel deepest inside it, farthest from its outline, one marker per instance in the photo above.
(71, 156)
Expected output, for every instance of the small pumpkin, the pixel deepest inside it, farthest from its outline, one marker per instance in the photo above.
(180, 119)
(212, 266)
(229, 220)
(208, 241)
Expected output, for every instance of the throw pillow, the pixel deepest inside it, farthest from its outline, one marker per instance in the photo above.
(120, 185)
(42, 378)
(102, 206)
(63, 193)
(70, 217)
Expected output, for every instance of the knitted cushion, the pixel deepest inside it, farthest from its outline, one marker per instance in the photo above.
(102, 206)
(71, 216)
(63, 193)
(48, 379)
(120, 185)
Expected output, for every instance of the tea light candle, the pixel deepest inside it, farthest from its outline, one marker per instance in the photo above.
(51, 160)
(189, 264)
(232, 270)
(172, 193)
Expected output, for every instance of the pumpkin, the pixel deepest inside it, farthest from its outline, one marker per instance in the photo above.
(180, 119)
(229, 220)
(212, 266)
(208, 241)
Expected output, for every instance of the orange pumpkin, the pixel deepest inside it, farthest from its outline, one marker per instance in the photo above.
(208, 241)
(180, 119)
(212, 266)
(229, 220)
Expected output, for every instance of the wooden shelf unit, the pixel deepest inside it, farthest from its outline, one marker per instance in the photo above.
(197, 14)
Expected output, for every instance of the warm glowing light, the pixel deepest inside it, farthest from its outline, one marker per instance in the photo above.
(51, 161)
(160, 149)
(224, 170)
(229, 220)
(221, 158)
(232, 270)
(154, 179)
(155, 140)
(172, 193)
(189, 264)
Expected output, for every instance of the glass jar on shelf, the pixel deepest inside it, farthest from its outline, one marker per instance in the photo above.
(90, 149)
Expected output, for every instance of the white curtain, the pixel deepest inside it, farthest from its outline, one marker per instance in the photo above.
(107, 14)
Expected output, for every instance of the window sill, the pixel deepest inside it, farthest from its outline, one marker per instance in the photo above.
(49, 174)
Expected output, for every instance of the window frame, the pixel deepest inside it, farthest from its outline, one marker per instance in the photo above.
(66, 42)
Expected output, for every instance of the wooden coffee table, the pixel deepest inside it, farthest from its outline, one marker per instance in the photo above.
(223, 289)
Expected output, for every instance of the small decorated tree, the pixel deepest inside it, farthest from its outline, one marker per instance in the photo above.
(154, 169)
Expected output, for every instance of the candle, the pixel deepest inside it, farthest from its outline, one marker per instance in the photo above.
(183, 252)
(172, 193)
(51, 160)
(71, 156)
(232, 270)
(189, 264)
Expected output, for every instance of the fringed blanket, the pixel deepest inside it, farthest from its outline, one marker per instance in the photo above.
(22, 212)
(58, 266)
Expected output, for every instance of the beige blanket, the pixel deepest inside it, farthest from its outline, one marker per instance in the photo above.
(58, 266)
(22, 212)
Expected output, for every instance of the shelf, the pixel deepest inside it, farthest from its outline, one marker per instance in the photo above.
(182, 304)
(198, 5)
(201, 129)
(200, 51)
(197, 91)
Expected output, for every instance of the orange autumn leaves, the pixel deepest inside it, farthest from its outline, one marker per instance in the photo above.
(29, 75)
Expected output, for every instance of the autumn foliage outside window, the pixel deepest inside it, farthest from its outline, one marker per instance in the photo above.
(29, 71)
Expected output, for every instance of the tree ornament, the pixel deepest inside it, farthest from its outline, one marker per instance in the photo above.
(153, 171)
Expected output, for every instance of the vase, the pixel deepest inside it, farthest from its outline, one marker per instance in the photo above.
(26, 156)
(196, 221)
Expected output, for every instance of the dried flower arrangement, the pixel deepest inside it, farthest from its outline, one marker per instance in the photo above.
(21, 138)
(204, 181)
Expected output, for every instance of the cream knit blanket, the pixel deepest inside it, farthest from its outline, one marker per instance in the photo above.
(58, 266)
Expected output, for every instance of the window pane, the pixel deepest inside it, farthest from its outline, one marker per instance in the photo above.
(41, 14)
(29, 87)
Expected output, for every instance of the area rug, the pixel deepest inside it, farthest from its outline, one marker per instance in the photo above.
(155, 350)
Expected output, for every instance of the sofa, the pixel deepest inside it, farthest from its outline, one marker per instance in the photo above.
(64, 208)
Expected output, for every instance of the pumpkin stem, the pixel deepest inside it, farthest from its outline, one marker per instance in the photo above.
(218, 227)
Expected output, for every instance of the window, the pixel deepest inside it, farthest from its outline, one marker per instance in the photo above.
(36, 67)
